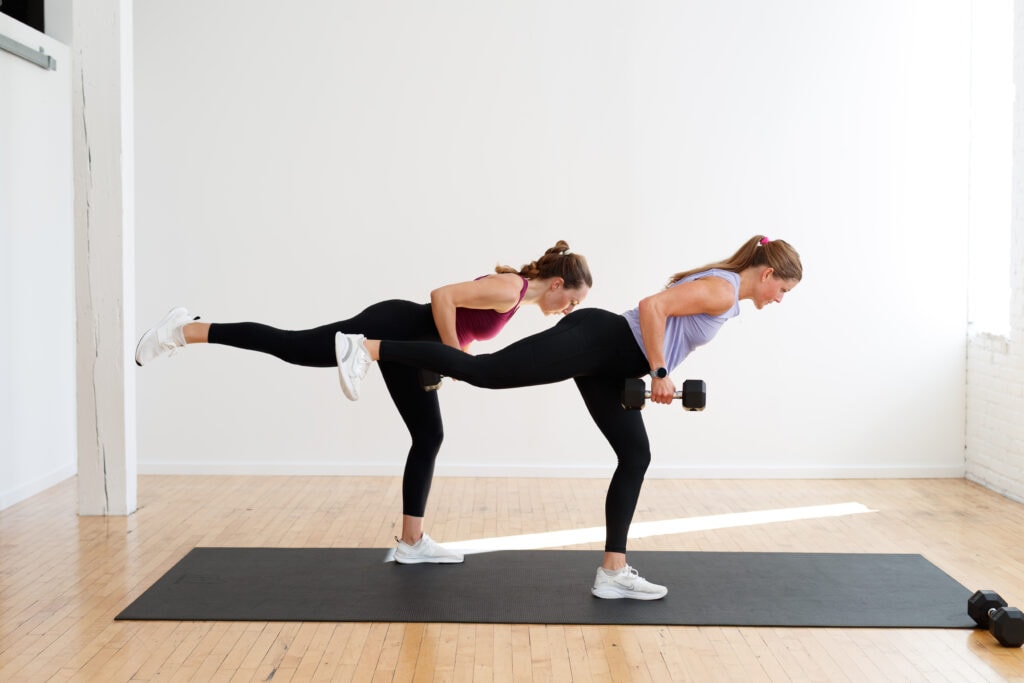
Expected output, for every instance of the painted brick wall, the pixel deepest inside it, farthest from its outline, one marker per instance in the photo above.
(995, 410)
(995, 365)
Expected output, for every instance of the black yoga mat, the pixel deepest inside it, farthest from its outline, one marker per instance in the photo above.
(553, 587)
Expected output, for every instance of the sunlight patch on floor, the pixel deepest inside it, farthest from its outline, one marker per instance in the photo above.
(568, 537)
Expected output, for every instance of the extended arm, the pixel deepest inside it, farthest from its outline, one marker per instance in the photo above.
(711, 295)
(495, 292)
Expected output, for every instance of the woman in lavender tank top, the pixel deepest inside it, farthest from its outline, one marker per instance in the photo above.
(599, 350)
(457, 315)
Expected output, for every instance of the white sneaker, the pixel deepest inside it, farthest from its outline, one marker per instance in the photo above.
(353, 362)
(164, 338)
(626, 583)
(425, 551)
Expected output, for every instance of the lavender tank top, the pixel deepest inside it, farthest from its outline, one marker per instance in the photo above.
(480, 324)
(684, 333)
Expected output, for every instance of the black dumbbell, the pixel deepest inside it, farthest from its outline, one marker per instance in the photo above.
(635, 393)
(430, 380)
(989, 610)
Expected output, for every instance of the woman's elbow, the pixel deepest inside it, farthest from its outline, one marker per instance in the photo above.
(649, 308)
(439, 297)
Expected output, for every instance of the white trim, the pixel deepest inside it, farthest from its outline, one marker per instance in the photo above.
(29, 489)
(387, 470)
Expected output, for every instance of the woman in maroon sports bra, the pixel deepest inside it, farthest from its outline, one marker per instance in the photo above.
(457, 315)
(598, 349)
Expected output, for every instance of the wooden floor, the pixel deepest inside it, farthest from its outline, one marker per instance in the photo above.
(63, 579)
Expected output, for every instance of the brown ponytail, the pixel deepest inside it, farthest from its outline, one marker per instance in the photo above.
(778, 255)
(556, 262)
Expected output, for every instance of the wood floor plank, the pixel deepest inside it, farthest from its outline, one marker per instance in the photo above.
(63, 578)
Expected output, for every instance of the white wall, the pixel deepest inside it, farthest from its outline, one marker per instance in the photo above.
(294, 167)
(37, 304)
(995, 396)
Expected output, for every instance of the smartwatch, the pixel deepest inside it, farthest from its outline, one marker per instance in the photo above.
(659, 373)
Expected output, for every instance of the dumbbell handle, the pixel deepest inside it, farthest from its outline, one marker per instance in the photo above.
(678, 394)
(635, 394)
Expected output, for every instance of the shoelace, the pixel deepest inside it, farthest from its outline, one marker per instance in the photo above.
(634, 576)
(433, 549)
(170, 344)
(632, 573)
(361, 363)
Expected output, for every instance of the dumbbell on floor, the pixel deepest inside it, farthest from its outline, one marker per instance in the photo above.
(989, 610)
(693, 394)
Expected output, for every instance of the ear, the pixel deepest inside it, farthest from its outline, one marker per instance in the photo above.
(557, 283)
(767, 273)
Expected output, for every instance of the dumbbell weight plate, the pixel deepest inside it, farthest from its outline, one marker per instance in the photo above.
(430, 380)
(1006, 625)
(695, 394)
(980, 603)
(634, 394)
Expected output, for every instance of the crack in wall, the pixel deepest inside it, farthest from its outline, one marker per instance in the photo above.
(100, 448)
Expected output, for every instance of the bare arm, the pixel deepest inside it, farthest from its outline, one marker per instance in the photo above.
(711, 295)
(494, 292)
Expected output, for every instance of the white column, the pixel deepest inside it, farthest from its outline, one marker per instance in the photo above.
(104, 255)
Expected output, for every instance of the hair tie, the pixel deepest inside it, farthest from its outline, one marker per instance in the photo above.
(764, 241)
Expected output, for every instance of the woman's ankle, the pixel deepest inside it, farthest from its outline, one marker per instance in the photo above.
(196, 333)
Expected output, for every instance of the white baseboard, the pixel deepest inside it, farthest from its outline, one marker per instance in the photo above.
(997, 486)
(27, 490)
(555, 472)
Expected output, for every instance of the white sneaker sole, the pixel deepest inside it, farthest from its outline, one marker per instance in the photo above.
(340, 347)
(429, 560)
(138, 347)
(610, 593)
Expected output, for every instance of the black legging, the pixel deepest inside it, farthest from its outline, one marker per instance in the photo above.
(393, 319)
(593, 347)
